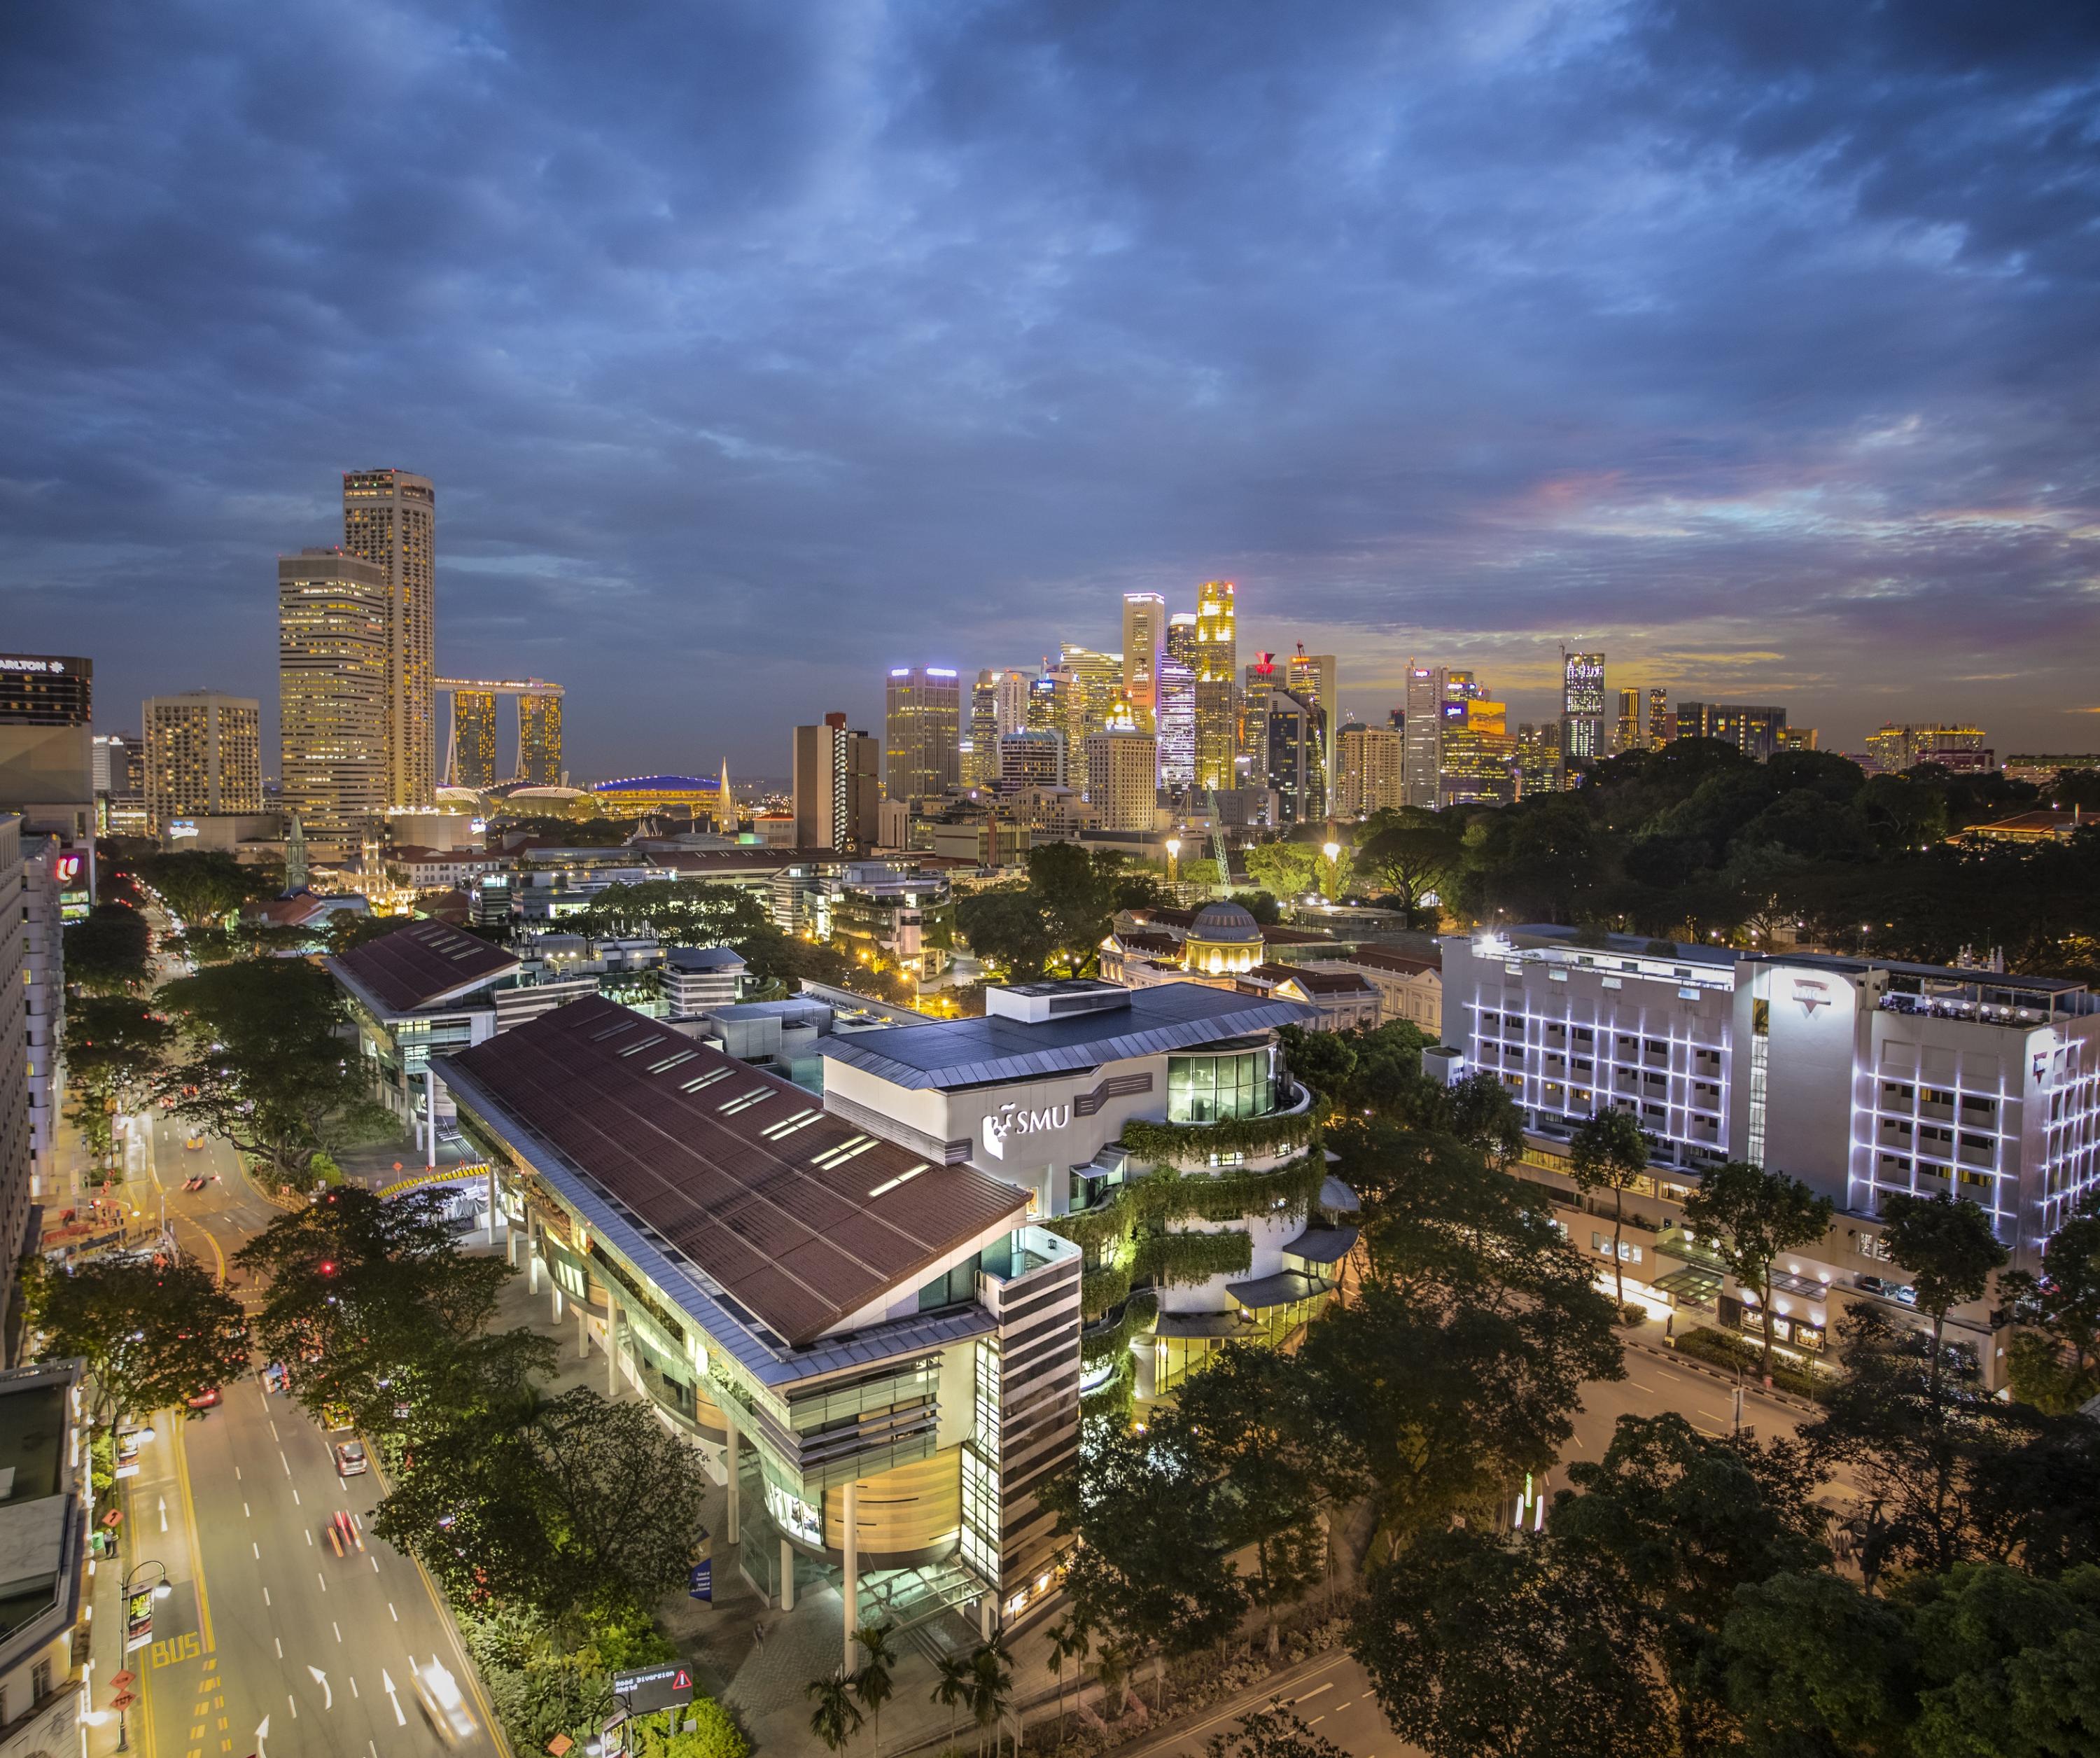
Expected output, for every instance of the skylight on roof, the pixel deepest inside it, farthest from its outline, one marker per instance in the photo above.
(745, 1101)
(902, 1177)
(787, 1126)
(831, 1158)
(707, 1079)
(642, 1044)
(671, 1061)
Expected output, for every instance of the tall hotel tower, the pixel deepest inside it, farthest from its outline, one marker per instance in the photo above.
(1217, 683)
(389, 519)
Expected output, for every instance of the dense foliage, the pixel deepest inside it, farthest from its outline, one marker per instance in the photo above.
(153, 1334)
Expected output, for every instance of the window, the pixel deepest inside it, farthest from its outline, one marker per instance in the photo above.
(1206, 1088)
(40, 1681)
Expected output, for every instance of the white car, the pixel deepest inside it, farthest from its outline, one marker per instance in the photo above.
(439, 1691)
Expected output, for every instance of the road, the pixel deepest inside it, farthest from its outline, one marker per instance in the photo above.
(265, 1620)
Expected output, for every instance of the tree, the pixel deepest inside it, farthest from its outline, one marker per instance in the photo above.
(206, 886)
(874, 1683)
(2056, 1363)
(107, 952)
(1275, 1732)
(1479, 1649)
(1412, 854)
(835, 1721)
(113, 1045)
(1480, 1112)
(1809, 1664)
(2008, 1665)
(679, 914)
(991, 1689)
(953, 1682)
(1753, 1214)
(1069, 1644)
(1007, 927)
(1950, 1251)
(153, 1334)
(1609, 1151)
(374, 1297)
(262, 1065)
(1077, 897)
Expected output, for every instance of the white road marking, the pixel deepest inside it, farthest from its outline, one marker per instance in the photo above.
(294, 1703)
(256, 1549)
(163, 1513)
(1308, 1697)
(285, 1462)
(386, 1683)
(295, 1499)
(322, 1579)
(280, 1642)
(310, 1538)
(354, 1690)
(320, 1678)
(236, 1473)
(1652, 1391)
(337, 1628)
(245, 1514)
(274, 1435)
(1316, 1721)
(375, 1565)
(266, 1595)
(391, 1613)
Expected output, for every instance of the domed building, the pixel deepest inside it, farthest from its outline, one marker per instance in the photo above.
(1222, 941)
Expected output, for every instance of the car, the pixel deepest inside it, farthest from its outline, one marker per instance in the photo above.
(194, 1143)
(336, 1418)
(209, 1399)
(274, 1376)
(350, 1459)
(439, 1691)
(1872, 1284)
(346, 1532)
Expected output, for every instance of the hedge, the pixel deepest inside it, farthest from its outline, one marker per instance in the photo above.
(1719, 1350)
(1169, 1195)
(1138, 1313)
(1175, 1144)
(1102, 1288)
(1174, 1258)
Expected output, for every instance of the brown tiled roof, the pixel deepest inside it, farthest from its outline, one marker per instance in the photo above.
(420, 963)
(1402, 964)
(1310, 980)
(736, 860)
(1138, 940)
(799, 1216)
(1295, 936)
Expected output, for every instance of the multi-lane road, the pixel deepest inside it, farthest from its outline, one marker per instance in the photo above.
(269, 1643)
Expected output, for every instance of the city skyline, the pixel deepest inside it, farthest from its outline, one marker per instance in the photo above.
(1770, 383)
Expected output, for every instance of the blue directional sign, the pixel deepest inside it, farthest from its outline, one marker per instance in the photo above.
(703, 1584)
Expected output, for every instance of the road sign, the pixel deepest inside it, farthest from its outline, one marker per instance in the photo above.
(647, 1690)
(702, 1585)
(122, 1700)
(118, 1680)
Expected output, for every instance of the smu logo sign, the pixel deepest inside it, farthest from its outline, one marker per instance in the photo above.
(1010, 1119)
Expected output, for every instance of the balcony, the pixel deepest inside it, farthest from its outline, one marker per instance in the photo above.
(1673, 1242)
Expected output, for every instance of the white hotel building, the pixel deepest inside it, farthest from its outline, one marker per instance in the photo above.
(1861, 1077)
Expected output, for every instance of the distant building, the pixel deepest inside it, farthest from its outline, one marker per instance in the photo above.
(540, 738)
(1098, 684)
(1538, 768)
(1122, 778)
(333, 712)
(16, 1135)
(838, 791)
(1893, 748)
(1660, 726)
(1422, 734)
(1370, 776)
(922, 738)
(1582, 733)
(697, 979)
(1341, 1000)
(389, 519)
(1315, 678)
(1297, 758)
(1479, 755)
(46, 748)
(1031, 759)
(1175, 715)
(474, 738)
(1144, 643)
(1217, 685)
(2043, 771)
(204, 755)
(637, 796)
(1757, 732)
(894, 915)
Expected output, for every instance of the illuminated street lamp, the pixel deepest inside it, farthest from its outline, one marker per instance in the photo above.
(1173, 854)
(146, 1582)
(1333, 851)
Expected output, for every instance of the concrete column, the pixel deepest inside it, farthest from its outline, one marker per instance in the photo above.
(849, 1585)
(510, 1246)
(735, 1483)
(987, 1610)
(495, 1208)
(557, 1287)
(786, 1576)
(430, 1110)
(583, 1334)
(532, 1261)
(612, 1346)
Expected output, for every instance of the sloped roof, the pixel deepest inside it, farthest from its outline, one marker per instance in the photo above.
(796, 1214)
(1311, 979)
(422, 964)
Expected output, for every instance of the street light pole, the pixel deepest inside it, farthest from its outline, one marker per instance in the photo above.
(135, 1583)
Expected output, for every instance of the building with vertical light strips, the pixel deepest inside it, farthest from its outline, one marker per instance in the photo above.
(332, 710)
(1216, 659)
(389, 519)
(1370, 778)
(1582, 725)
(540, 738)
(474, 738)
(922, 732)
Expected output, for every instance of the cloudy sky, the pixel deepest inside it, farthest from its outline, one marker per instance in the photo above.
(755, 347)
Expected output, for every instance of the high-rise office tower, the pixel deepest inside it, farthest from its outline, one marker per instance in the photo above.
(1370, 777)
(837, 793)
(1122, 778)
(1143, 639)
(389, 519)
(1175, 704)
(14, 1133)
(1537, 758)
(1480, 756)
(540, 738)
(1217, 680)
(1422, 734)
(1754, 731)
(1658, 719)
(204, 756)
(1260, 676)
(46, 742)
(1098, 682)
(922, 732)
(1630, 733)
(334, 618)
(1582, 705)
(1297, 758)
(474, 738)
(1312, 676)
(977, 765)
(1010, 698)
(1052, 704)
(1031, 758)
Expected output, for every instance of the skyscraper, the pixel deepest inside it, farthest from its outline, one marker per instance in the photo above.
(46, 742)
(334, 614)
(1369, 778)
(837, 795)
(1122, 778)
(1297, 758)
(1537, 758)
(1217, 678)
(1144, 636)
(474, 738)
(1175, 704)
(922, 733)
(14, 1143)
(389, 519)
(1424, 733)
(540, 738)
(1010, 699)
(1480, 756)
(1313, 679)
(1032, 758)
(1262, 675)
(1658, 719)
(1097, 679)
(1582, 705)
(1631, 733)
(204, 756)
(978, 760)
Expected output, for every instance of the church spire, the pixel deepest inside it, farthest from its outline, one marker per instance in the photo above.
(725, 812)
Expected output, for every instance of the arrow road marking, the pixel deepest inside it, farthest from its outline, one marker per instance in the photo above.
(386, 1681)
(320, 1678)
(262, 1732)
(163, 1513)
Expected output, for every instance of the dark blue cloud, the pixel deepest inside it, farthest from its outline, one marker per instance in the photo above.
(755, 347)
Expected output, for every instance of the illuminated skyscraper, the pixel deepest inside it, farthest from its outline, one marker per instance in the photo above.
(1424, 733)
(334, 614)
(204, 756)
(389, 519)
(1582, 705)
(1370, 776)
(540, 738)
(1122, 778)
(1630, 731)
(1297, 758)
(1217, 678)
(1658, 719)
(1176, 704)
(1480, 756)
(837, 793)
(922, 732)
(1538, 758)
(474, 738)
(1144, 639)
(1260, 676)
(1097, 680)
(1313, 679)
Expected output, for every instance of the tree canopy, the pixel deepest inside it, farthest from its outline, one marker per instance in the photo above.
(153, 1334)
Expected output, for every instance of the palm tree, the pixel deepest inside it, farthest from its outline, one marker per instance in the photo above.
(872, 1684)
(951, 1688)
(991, 1688)
(835, 1721)
(1068, 1641)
